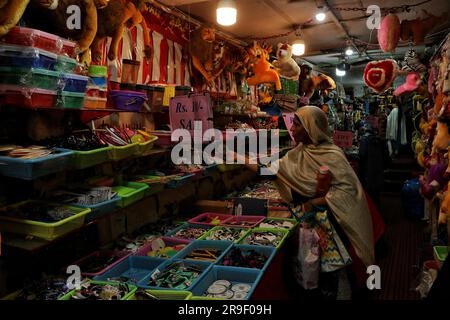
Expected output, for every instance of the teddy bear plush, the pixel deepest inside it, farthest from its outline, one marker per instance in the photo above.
(286, 65)
(442, 139)
(263, 70)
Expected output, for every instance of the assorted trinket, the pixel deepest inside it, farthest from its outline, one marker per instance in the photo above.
(142, 294)
(210, 255)
(178, 275)
(85, 197)
(29, 153)
(85, 140)
(133, 244)
(264, 238)
(162, 249)
(51, 288)
(245, 259)
(92, 291)
(240, 223)
(277, 224)
(189, 233)
(224, 289)
(39, 211)
(226, 234)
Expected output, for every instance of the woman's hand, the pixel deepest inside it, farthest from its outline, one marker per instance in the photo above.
(308, 206)
(317, 202)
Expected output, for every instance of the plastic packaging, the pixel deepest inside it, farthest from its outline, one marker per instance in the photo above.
(70, 100)
(32, 78)
(25, 57)
(99, 81)
(27, 97)
(128, 100)
(98, 71)
(323, 181)
(307, 262)
(130, 71)
(95, 103)
(74, 82)
(96, 92)
(65, 64)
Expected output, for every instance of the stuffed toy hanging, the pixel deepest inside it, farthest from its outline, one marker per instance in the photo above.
(435, 180)
(263, 71)
(417, 29)
(389, 33)
(412, 83)
(442, 139)
(305, 86)
(114, 19)
(445, 206)
(324, 83)
(201, 49)
(379, 75)
(287, 67)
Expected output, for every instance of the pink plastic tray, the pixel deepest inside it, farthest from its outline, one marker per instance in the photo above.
(107, 253)
(222, 217)
(253, 221)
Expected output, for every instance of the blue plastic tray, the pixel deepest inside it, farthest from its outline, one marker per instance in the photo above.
(205, 266)
(35, 168)
(101, 209)
(269, 252)
(204, 244)
(26, 57)
(133, 268)
(171, 234)
(234, 275)
(74, 82)
(181, 181)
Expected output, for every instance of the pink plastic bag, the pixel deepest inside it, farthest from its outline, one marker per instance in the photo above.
(307, 261)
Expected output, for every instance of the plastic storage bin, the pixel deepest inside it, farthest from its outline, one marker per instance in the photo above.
(86, 159)
(33, 78)
(203, 266)
(130, 71)
(68, 48)
(70, 100)
(130, 192)
(27, 97)
(123, 152)
(65, 64)
(96, 92)
(98, 71)
(131, 270)
(95, 103)
(74, 82)
(146, 147)
(268, 252)
(128, 100)
(280, 220)
(113, 256)
(34, 38)
(23, 57)
(47, 231)
(202, 218)
(283, 234)
(172, 233)
(207, 235)
(247, 221)
(101, 209)
(129, 296)
(233, 275)
(204, 244)
(30, 169)
(180, 181)
(169, 242)
(169, 294)
(441, 253)
(99, 81)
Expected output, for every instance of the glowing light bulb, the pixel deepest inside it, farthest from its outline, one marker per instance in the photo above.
(340, 73)
(298, 47)
(226, 12)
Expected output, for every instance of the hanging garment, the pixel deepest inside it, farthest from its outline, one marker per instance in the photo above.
(392, 131)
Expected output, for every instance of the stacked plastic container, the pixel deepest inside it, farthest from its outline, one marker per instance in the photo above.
(37, 70)
(96, 97)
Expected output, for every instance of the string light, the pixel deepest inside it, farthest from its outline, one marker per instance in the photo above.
(226, 12)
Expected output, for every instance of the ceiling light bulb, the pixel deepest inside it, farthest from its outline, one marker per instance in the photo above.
(298, 47)
(349, 51)
(320, 15)
(226, 12)
(340, 73)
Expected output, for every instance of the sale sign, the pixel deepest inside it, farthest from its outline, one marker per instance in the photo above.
(289, 122)
(343, 139)
(185, 110)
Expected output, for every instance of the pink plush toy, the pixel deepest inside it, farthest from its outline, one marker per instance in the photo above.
(389, 33)
(412, 83)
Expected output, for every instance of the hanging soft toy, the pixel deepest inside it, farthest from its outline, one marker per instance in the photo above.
(442, 139)
(445, 206)
(435, 180)
(324, 83)
(263, 71)
(389, 33)
(287, 67)
(201, 49)
(412, 83)
(417, 29)
(379, 75)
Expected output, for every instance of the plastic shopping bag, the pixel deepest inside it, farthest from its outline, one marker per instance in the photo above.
(308, 258)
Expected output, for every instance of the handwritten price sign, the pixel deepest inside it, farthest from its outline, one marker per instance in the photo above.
(185, 110)
(343, 139)
(289, 121)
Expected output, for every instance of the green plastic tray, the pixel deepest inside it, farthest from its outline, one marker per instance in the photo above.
(171, 294)
(86, 159)
(120, 153)
(206, 235)
(204, 298)
(283, 239)
(129, 296)
(98, 71)
(32, 78)
(71, 100)
(47, 231)
(441, 253)
(153, 188)
(145, 147)
(130, 192)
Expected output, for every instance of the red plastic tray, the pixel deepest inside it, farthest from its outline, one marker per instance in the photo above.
(253, 221)
(222, 217)
(27, 97)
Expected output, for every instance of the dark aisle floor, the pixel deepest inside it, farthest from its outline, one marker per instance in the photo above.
(399, 254)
